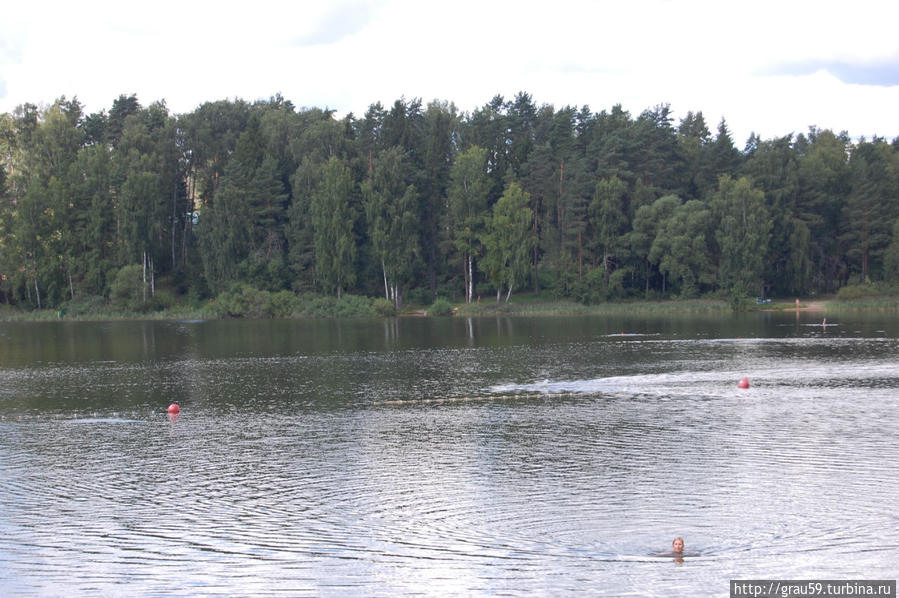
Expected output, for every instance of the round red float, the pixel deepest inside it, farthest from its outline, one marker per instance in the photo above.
(744, 383)
(174, 408)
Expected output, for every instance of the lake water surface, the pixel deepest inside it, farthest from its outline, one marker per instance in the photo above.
(489, 456)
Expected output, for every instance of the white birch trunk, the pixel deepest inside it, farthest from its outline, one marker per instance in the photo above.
(470, 279)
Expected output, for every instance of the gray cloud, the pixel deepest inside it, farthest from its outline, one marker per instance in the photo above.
(342, 20)
(881, 73)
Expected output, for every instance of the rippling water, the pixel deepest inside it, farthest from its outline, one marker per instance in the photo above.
(511, 456)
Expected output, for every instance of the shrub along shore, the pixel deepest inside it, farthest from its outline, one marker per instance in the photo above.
(244, 301)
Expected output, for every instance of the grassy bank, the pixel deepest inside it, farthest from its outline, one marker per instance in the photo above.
(569, 308)
(868, 304)
(868, 297)
(247, 302)
(242, 301)
(261, 305)
(12, 314)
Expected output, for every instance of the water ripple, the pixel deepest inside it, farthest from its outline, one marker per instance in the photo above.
(528, 469)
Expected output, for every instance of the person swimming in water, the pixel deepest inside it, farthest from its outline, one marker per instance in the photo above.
(677, 550)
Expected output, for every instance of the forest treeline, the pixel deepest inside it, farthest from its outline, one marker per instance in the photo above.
(415, 202)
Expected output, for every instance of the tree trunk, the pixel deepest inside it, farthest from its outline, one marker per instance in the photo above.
(536, 265)
(37, 292)
(605, 266)
(188, 218)
(580, 258)
(465, 279)
(864, 266)
(174, 218)
(560, 208)
(386, 287)
(432, 272)
(509, 294)
(470, 278)
(648, 273)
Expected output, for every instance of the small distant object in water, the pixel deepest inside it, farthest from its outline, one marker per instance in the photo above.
(824, 323)
(760, 300)
(173, 408)
(677, 550)
(744, 383)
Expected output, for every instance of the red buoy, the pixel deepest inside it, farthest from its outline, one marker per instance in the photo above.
(744, 383)
(174, 408)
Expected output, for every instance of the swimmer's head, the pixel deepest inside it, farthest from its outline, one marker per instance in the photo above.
(678, 545)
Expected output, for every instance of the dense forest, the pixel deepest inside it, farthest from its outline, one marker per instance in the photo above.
(415, 202)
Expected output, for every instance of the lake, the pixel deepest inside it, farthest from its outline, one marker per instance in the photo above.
(487, 456)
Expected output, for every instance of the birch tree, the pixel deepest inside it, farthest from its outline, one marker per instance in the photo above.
(332, 223)
(468, 194)
(509, 240)
(390, 204)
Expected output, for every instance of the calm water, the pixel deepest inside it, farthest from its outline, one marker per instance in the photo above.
(517, 457)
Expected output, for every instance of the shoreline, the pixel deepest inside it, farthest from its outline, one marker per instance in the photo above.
(524, 307)
(816, 306)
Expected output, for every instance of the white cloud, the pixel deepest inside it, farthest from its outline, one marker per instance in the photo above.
(758, 64)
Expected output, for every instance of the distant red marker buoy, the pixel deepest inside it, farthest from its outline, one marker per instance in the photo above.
(174, 408)
(744, 383)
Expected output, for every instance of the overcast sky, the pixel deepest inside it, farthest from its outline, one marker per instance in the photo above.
(773, 67)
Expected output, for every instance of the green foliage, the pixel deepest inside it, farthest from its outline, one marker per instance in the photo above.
(347, 306)
(129, 291)
(384, 307)
(417, 202)
(468, 203)
(440, 307)
(742, 232)
(871, 208)
(855, 292)
(88, 306)
(681, 248)
(163, 299)
(333, 219)
(608, 207)
(592, 289)
(508, 240)
(596, 287)
(740, 301)
(245, 301)
(390, 203)
(891, 256)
